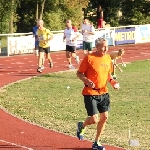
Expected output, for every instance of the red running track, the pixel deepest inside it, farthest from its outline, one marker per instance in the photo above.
(17, 134)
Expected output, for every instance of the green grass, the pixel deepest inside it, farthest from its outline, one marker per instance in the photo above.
(46, 101)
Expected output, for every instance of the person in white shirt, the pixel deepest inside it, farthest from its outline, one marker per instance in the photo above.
(88, 32)
(70, 35)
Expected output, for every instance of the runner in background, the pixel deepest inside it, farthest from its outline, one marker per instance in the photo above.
(114, 56)
(37, 44)
(70, 36)
(88, 31)
(44, 36)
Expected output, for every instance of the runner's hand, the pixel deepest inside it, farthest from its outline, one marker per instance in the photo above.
(90, 84)
(116, 85)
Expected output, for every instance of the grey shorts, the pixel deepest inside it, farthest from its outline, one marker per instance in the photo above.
(95, 104)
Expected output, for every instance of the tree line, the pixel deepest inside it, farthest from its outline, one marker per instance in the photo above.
(21, 15)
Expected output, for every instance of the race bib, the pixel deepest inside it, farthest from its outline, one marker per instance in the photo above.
(41, 38)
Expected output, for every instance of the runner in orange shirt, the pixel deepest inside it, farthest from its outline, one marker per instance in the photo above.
(95, 72)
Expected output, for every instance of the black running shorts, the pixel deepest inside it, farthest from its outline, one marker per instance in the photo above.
(46, 50)
(71, 49)
(95, 104)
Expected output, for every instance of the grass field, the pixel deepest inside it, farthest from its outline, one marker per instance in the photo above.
(46, 101)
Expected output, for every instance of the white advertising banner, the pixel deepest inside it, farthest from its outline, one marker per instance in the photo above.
(20, 45)
(107, 34)
(142, 33)
(57, 44)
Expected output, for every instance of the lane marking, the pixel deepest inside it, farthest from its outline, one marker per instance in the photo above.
(17, 145)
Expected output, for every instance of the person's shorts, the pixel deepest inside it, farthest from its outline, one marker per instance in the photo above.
(45, 50)
(71, 49)
(87, 46)
(95, 104)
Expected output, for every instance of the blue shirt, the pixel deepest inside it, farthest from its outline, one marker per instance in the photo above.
(35, 34)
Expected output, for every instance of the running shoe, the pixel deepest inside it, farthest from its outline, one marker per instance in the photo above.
(39, 70)
(51, 65)
(42, 67)
(80, 131)
(97, 146)
(77, 59)
(71, 66)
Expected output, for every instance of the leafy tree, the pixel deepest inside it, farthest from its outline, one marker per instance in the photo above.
(135, 12)
(4, 17)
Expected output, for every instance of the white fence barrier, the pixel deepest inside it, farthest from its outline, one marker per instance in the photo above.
(24, 43)
(20, 45)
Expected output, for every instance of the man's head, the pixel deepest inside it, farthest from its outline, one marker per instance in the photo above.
(99, 8)
(68, 23)
(101, 45)
(86, 21)
(40, 23)
(121, 52)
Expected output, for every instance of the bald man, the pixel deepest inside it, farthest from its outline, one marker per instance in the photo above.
(44, 36)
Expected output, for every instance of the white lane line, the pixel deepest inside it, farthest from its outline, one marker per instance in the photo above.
(19, 63)
(146, 53)
(60, 55)
(136, 56)
(16, 145)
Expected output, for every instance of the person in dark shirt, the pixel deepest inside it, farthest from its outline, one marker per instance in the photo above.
(99, 17)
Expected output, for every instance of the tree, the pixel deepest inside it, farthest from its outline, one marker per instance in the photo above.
(135, 12)
(5, 9)
(42, 8)
(13, 15)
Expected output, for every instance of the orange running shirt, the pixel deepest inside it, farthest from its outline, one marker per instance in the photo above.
(96, 68)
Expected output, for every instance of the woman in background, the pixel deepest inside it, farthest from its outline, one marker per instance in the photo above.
(99, 17)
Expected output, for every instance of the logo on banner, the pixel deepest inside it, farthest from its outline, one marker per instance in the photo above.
(145, 33)
(107, 34)
(124, 36)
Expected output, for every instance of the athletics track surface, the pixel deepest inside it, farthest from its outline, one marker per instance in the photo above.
(16, 134)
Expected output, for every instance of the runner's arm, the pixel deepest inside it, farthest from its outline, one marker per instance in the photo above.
(64, 37)
(112, 81)
(33, 31)
(122, 60)
(92, 32)
(85, 80)
(81, 73)
(50, 34)
(76, 33)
